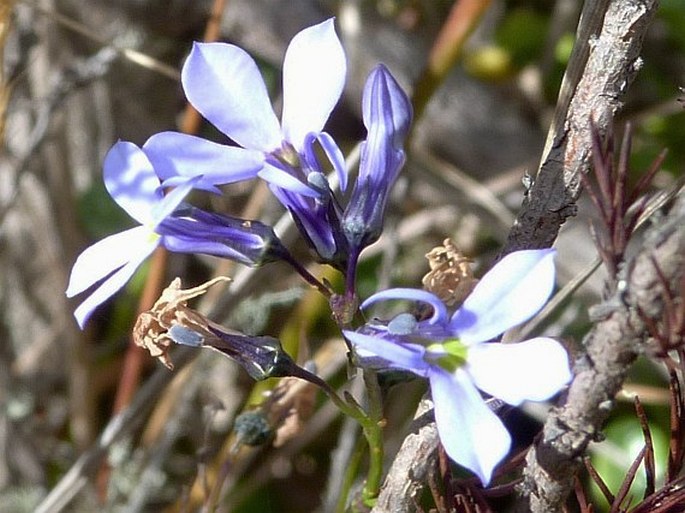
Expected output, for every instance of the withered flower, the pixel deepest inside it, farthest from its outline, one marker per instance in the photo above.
(450, 277)
(171, 321)
(152, 327)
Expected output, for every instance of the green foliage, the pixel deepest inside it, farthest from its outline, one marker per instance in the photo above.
(672, 12)
(660, 131)
(522, 33)
(624, 441)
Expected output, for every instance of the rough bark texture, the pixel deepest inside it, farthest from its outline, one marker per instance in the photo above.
(616, 340)
(612, 63)
(409, 472)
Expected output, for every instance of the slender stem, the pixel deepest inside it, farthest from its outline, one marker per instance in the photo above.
(351, 274)
(308, 277)
(371, 423)
(373, 431)
(350, 476)
(344, 406)
(349, 315)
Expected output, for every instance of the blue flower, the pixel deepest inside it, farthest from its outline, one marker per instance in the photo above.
(454, 353)
(133, 184)
(224, 84)
(338, 235)
(132, 181)
(387, 116)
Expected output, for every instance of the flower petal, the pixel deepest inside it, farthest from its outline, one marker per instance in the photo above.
(224, 84)
(510, 293)
(439, 308)
(332, 151)
(311, 220)
(314, 71)
(112, 284)
(403, 356)
(386, 106)
(280, 178)
(173, 199)
(131, 180)
(387, 114)
(175, 181)
(471, 433)
(192, 230)
(103, 257)
(533, 370)
(175, 154)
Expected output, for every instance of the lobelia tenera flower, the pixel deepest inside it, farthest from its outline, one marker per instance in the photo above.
(224, 84)
(132, 182)
(455, 354)
(339, 235)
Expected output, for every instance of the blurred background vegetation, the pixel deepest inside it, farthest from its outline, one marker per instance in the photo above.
(69, 92)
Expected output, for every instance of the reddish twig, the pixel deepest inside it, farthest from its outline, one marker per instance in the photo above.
(676, 449)
(619, 205)
(650, 465)
(594, 475)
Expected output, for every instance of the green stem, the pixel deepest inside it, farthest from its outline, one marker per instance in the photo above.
(350, 476)
(373, 431)
(371, 423)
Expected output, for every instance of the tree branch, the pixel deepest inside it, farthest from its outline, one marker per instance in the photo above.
(602, 66)
(608, 46)
(408, 474)
(614, 343)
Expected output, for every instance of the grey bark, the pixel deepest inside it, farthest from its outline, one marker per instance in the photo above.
(616, 340)
(602, 67)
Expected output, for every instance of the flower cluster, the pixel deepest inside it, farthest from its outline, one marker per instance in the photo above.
(224, 84)
(455, 353)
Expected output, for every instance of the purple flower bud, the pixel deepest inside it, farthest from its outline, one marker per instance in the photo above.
(262, 357)
(193, 230)
(387, 115)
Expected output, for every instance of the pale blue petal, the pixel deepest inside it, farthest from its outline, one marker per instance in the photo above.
(280, 178)
(117, 280)
(534, 370)
(313, 77)
(173, 199)
(224, 84)
(471, 433)
(439, 309)
(175, 154)
(403, 356)
(335, 156)
(514, 290)
(175, 181)
(131, 180)
(103, 257)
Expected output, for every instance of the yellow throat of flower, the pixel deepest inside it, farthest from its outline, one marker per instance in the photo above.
(449, 355)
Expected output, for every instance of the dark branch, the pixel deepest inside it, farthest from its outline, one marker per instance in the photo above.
(590, 93)
(614, 343)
